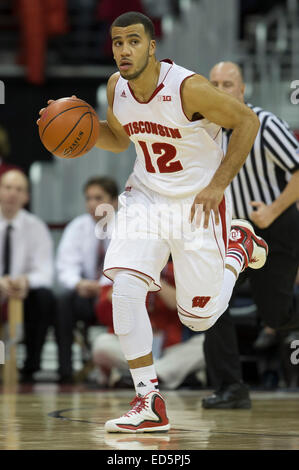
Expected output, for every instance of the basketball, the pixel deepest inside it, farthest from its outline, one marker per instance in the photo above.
(69, 127)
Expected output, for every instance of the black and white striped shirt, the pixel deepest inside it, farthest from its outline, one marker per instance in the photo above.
(268, 168)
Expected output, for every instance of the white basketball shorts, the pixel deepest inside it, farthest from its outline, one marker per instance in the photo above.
(149, 227)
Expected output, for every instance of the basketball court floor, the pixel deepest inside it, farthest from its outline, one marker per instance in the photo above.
(47, 416)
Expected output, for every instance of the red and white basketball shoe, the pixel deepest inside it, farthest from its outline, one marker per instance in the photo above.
(148, 414)
(255, 249)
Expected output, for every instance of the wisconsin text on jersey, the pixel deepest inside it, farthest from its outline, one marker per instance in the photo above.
(140, 127)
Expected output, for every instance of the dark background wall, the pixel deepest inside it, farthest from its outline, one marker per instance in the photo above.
(20, 112)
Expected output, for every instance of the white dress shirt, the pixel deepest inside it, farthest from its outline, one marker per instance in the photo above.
(31, 249)
(78, 251)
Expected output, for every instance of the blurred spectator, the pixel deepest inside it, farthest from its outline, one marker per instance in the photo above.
(174, 360)
(4, 152)
(269, 337)
(26, 266)
(79, 264)
(291, 371)
(39, 19)
(289, 341)
(269, 341)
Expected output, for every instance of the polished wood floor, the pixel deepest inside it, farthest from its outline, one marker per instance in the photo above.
(47, 417)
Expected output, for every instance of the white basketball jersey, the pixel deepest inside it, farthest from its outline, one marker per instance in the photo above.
(175, 156)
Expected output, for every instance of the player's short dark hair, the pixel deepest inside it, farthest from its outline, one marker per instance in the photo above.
(134, 17)
(106, 183)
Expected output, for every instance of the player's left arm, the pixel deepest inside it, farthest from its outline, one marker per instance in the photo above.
(200, 96)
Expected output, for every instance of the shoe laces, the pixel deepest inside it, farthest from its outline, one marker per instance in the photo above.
(138, 404)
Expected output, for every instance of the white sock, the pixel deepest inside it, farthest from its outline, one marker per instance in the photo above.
(145, 380)
(235, 258)
(229, 282)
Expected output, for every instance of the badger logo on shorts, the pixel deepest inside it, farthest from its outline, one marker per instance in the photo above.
(200, 301)
(235, 235)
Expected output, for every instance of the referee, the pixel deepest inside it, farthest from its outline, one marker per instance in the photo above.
(265, 192)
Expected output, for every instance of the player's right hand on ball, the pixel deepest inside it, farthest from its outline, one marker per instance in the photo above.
(43, 109)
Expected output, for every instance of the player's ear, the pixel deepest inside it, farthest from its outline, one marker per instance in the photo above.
(152, 48)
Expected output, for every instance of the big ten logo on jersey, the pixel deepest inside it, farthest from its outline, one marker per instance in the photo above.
(200, 301)
(2, 92)
(164, 98)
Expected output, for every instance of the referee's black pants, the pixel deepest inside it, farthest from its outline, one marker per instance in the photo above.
(273, 293)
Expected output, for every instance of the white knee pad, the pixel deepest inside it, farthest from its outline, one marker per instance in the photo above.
(129, 294)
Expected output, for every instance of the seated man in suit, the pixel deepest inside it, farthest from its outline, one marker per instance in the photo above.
(26, 266)
(79, 263)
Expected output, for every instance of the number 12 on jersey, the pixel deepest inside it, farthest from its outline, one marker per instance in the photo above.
(167, 153)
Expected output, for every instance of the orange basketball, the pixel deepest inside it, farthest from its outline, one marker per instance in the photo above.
(69, 127)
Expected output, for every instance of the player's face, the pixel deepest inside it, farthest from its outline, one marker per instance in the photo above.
(94, 196)
(13, 193)
(227, 78)
(132, 50)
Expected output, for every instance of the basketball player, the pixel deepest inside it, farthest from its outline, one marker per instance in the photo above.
(174, 117)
